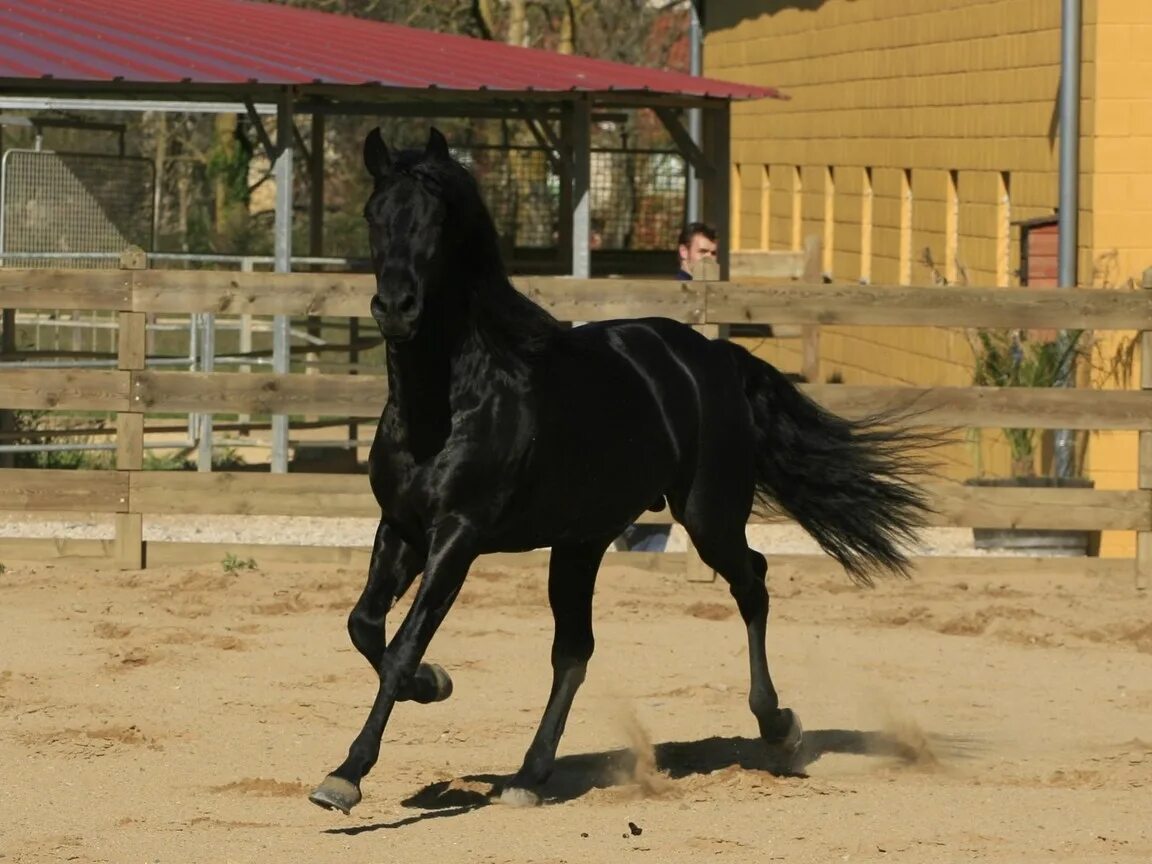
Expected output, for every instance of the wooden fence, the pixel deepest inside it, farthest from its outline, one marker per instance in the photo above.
(130, 494)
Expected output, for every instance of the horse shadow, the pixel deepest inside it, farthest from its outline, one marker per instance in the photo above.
(577, 775)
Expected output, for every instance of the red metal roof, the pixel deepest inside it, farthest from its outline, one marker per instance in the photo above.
(238, 42)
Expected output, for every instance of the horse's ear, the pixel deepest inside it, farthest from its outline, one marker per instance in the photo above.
(437, 146)
(377, 159)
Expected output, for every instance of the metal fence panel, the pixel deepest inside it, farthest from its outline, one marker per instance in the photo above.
(638, 196)
(73, 202)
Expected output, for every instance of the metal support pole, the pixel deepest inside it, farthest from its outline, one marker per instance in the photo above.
(564, 226)
(1069, 141)
(695, 42)
(316, 188)
(717, 203)
(1144, 458)
(207, 364)
(282, 171)
(7, 338)
(581, 187)
(7, 347)
(1064, 442)
(245, 340)
(717, 194)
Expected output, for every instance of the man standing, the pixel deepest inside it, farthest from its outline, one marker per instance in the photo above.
(697, 241)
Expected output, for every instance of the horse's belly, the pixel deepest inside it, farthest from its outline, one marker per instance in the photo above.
(591, 494)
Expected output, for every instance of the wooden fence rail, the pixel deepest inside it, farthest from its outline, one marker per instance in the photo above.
(363, 395)
(131, 391)
(590, 299)
(225, 493)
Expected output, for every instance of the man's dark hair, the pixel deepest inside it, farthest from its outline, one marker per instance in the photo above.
(694, 228)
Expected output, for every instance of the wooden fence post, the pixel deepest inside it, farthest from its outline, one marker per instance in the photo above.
(129, 543)
(1144, 460)
(810, 333)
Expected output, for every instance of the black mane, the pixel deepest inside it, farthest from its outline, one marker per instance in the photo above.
(510, 324)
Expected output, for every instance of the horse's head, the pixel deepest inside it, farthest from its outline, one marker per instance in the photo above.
(412, 228)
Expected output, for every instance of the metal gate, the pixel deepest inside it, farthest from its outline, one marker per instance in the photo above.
(63, 205)
(68, 210)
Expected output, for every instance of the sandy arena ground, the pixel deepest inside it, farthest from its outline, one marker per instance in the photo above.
(181, 715)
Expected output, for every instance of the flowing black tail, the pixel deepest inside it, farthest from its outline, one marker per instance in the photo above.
(845, 481)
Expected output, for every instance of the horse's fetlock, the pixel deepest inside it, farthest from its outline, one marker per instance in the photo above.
(764, 705)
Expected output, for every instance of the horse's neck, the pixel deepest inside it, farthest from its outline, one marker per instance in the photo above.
(423, 375)
(418, 386)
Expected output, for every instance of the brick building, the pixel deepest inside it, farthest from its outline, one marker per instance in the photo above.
(921, 144)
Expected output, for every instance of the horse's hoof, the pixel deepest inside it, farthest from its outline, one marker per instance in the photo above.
(516, 796)
(784, 754)
(431, 684)
(336, 793)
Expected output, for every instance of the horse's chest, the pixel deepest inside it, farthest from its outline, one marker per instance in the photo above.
(402, 486)
(414, 491)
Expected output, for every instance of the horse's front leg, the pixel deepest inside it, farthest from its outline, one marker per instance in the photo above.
(394, 565)
(454, 547)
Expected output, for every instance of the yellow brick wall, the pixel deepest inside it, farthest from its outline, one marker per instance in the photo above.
(846, 234)
(1120, 154)
(959, 97)
(888, 193)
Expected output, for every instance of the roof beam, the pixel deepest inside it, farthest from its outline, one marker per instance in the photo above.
(258, 125)
(704, 168)
(54, 94)
(300, 145)
(546, 137)
(60, 123)
(54, 103)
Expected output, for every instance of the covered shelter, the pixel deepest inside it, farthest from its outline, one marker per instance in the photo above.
(267, 59)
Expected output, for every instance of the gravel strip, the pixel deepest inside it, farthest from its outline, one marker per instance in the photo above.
(318, 531)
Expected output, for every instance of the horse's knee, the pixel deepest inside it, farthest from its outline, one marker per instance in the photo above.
(366, 633)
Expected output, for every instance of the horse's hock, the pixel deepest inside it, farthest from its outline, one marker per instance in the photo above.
(129, 495)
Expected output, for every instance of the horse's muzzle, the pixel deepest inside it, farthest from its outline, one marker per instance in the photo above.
(394, 324)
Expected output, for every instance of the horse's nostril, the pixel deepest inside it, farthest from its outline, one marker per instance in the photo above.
(407, 304)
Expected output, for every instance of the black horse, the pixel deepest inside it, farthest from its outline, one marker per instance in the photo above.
(505, 431)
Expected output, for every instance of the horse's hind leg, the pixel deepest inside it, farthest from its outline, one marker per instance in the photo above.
(393, 567)
(721, 544)
(571, 580)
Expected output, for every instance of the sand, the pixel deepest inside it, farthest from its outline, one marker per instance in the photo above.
(182, 715)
